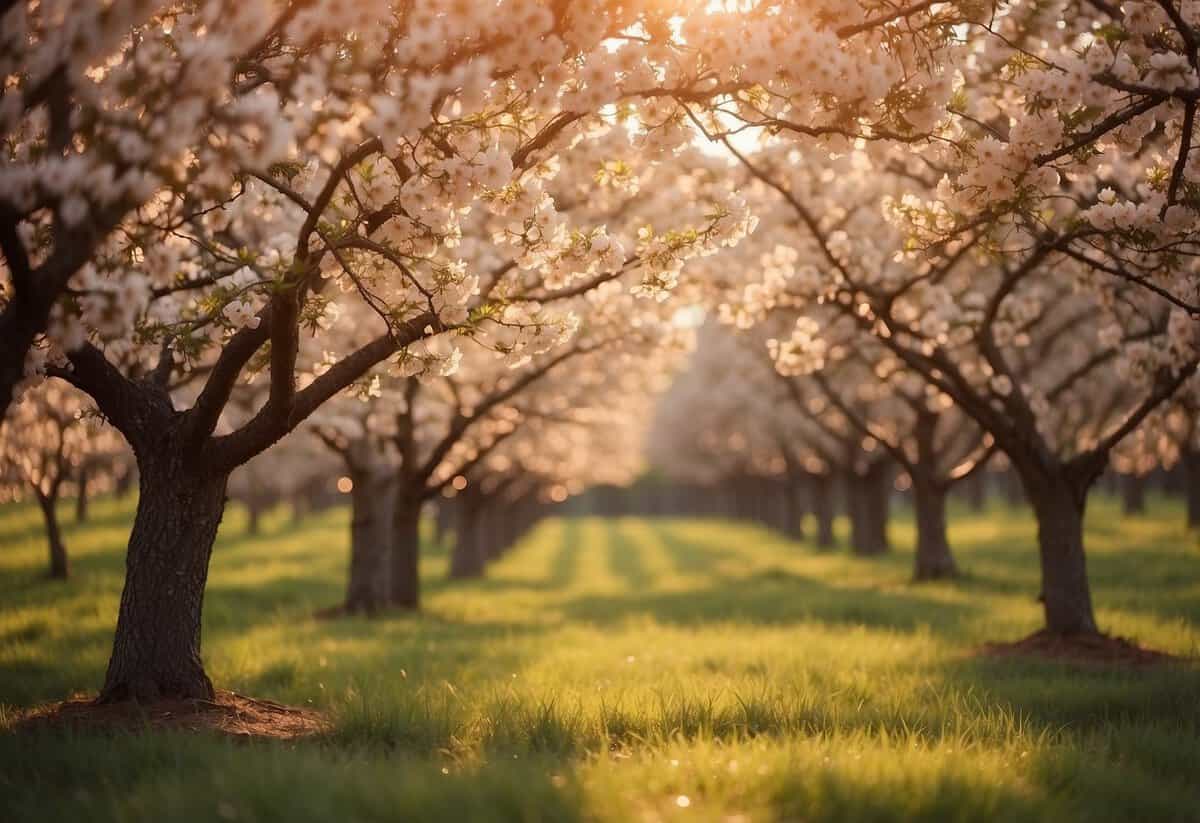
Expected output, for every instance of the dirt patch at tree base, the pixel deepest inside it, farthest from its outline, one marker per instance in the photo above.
(1081, 649)
(228, 714)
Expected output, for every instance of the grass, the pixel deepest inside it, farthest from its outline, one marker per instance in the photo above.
(616, 670)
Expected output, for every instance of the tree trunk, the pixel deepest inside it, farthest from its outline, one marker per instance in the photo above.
(933, 560)
(1066, 595)
(1133, 494)
(869, 504)
(822, 503)
(405, 583)
(156, 650)
(367, 588)
(1191, 464)
(59, 567)
(470, 554)
(81, 496)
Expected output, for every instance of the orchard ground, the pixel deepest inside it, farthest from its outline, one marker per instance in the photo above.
(628, 670)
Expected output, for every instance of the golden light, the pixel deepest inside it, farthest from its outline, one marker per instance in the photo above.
(345, 485)
(459, 482)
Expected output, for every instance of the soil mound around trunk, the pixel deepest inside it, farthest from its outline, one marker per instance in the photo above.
(1082, 649)
(228, 714)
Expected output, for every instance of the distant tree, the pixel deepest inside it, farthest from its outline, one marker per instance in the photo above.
(48, 435)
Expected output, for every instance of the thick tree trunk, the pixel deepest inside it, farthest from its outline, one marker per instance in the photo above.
(405, 583)
(368, 586)
(59, 566)
(156, 651)
(822, 503)
(1191, 465)
(870, 501)
(81, 496)
(1133, 494)
(933, 559)
(1066, 595)
(470, 554)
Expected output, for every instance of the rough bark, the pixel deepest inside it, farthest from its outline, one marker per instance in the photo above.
(59, 565)
(156, 650)
(405, 582)
(368, 587)
(1191, 464)
(933, 560)
(1133, 494)
(1059, 503)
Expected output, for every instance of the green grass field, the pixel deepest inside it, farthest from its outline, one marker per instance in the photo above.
(628, 670)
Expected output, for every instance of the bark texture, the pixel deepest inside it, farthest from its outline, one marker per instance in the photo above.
(1059, 504)
(371, 502)
(156, 650)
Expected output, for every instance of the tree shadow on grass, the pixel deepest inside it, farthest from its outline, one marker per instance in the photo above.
(560, 573)
(1112, 738)
(165, 776)
(692, 551)
(1087, 697)
(775, 596)
(832, 791)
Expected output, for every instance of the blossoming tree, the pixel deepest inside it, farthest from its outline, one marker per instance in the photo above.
(1019, 333)
(45, 440)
